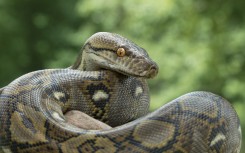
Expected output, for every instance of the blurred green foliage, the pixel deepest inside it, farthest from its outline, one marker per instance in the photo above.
(198, 45)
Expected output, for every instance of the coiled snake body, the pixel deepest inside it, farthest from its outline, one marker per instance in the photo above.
(108, 82)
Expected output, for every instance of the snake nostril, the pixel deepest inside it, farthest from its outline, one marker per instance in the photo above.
(153, 71)
(154, 68)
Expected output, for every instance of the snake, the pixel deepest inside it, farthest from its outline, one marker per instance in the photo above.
(108, 81)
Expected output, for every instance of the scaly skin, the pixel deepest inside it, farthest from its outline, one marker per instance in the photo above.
(107, 81)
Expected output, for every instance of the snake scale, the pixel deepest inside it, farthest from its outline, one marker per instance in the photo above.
(108, 82)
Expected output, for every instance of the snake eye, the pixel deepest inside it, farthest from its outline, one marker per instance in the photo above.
(121, 52)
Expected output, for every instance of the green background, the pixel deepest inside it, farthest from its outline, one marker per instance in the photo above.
(198, 45)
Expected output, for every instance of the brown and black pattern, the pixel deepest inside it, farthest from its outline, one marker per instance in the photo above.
(113, 89)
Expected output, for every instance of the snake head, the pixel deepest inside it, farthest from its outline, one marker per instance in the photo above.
(113, 52)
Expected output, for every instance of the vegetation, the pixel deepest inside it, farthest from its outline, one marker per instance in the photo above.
(198, 45)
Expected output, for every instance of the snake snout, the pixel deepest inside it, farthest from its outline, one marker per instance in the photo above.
(148, 69)
(153, 71)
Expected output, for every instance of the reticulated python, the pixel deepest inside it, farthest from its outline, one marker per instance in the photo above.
(108, 83)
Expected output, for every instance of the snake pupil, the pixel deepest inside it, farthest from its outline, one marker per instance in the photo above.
(121, 52)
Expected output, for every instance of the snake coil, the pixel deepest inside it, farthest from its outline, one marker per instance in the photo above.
(108, 82)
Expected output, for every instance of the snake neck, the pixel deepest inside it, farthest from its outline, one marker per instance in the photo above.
(85, 63)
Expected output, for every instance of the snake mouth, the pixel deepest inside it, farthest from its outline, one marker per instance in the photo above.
(151, 72)
(145, 71)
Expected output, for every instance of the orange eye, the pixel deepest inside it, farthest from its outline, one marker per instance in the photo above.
(121, 52)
